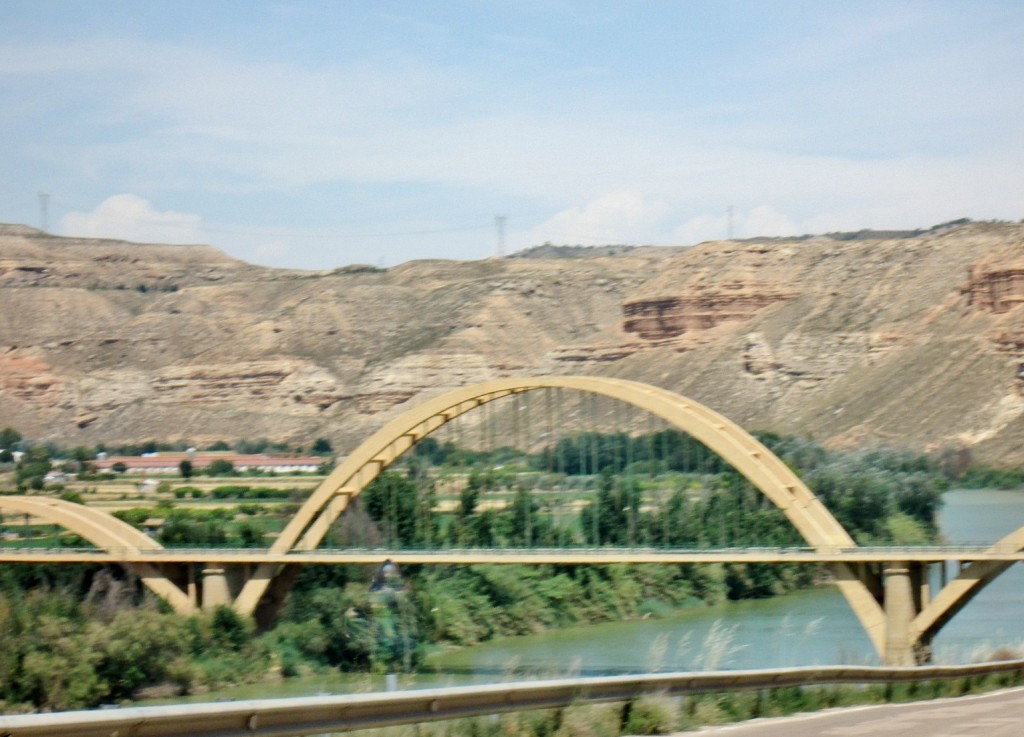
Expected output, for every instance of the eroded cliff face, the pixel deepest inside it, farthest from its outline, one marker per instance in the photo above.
(996, 283)
(996, 287)
(663, 318)
(913, 341)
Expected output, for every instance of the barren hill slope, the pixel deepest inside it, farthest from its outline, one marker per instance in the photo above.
(913, 341)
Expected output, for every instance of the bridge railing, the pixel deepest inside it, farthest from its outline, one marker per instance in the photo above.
(960, 551)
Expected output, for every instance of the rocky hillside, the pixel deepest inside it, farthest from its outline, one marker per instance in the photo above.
(906, 339)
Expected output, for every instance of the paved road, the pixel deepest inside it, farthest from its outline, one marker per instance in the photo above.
(996, 714)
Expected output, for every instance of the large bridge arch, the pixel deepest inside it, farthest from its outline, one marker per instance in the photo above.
(106, 532)
(733, 444)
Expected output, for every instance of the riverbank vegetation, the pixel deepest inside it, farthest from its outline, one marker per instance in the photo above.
(657, 489)
(664, 715)
(74, 638)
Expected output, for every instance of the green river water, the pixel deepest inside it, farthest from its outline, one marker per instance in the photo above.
(806, 628)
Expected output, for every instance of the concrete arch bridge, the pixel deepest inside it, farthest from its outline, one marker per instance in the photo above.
(887, 590)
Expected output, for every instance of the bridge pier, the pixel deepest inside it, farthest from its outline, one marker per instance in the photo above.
(215, 587)
(906, 592)
(220, 584)
(899, 610)
(275, 597)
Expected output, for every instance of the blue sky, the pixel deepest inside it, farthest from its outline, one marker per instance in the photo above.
(318, 134)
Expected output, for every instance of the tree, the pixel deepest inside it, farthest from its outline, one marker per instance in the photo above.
(9, 437)
(393, 501)
(185, 528)
(526, 527)
(322, 447)
(220, 467)
(82, 455)
(250, 534)
(228, 630)
(185, 467)
(468, 498)
(436, 453)
(119, 467)
(34, 465)
(604, 520)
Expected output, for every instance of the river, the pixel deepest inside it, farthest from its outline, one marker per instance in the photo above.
(805, 628)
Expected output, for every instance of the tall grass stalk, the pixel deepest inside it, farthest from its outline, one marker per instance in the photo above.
(718, 646)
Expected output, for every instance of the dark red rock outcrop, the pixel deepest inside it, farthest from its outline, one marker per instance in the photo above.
(668, 317)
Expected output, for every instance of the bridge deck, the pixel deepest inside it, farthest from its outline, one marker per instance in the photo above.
(325, 556)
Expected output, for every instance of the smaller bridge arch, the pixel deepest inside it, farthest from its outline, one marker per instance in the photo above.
(107, 532)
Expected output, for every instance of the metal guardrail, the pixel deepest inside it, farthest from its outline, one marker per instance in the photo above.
(320, 714)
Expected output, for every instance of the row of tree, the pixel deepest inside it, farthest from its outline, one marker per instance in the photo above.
(889, 496)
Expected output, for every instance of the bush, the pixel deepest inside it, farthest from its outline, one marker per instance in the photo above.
(230, 492)
(650, 715)
(702, 710)
(220, 467)
(72, 496)
(590, 720)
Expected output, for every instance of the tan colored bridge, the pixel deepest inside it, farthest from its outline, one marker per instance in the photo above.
(887, 589)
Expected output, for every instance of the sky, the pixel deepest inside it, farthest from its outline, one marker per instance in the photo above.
(313, 134)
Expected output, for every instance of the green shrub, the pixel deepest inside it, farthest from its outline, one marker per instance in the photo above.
(230, 492)
(72, 496)
(650, 715)
(590, 720)
(703, 710)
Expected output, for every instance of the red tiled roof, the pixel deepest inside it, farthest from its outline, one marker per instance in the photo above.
(164, 461)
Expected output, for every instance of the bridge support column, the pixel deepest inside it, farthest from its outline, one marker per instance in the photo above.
(277, 593)
(215, 587)
(922, 586)
(899, 613)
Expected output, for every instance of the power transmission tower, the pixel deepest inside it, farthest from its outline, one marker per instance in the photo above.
(499, 224)
(44, 212)
(729, 224)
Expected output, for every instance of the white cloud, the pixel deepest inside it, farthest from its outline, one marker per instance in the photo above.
(130, 217)
(763, 220)
(701, 228)
(767, 221)
(621, 217)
